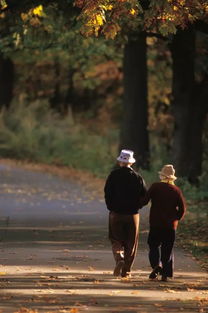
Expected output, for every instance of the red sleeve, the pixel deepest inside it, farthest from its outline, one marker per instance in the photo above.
(144, 200)
(181, 205)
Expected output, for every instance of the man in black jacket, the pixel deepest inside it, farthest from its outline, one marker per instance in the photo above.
(123, 190)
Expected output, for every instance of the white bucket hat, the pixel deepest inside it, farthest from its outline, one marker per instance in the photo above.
(126, 156)
(168, 172)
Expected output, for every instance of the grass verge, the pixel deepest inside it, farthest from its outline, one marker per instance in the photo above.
(36, 134)
(193, 232)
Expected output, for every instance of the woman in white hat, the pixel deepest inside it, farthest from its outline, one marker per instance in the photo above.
(124, 189)
(167, 208)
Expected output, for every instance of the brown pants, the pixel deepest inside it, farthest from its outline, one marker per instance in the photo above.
(123, 234)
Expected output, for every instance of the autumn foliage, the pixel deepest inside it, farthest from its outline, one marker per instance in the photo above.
(110, 17)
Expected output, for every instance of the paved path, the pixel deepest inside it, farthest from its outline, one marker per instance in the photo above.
(55, 256)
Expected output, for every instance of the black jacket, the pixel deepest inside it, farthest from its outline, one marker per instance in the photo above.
(123, 191)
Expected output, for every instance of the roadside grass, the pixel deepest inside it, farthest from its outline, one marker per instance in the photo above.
(193, 232)
(36, 134)
(193, 229)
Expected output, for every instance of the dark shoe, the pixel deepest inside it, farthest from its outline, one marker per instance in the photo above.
(157, 270)
(164, 278)
(118, 268)
(125, 274)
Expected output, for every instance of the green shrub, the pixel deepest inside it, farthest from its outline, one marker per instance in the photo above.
(35, 133)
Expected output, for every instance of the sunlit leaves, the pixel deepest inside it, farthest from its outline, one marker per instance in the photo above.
(38, 11)
(132, 11)
(111, 30)
(165, 16)
(3, 4)
(33, 15)
(17, 39)
(79, 3)
(105, 16)
(109, 17)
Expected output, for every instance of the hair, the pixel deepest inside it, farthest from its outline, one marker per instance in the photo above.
(124, 163)
(163, 177)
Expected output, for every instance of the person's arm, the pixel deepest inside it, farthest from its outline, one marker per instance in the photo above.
(181, 207)
(146, 198)
(108, 191)
(143, 187)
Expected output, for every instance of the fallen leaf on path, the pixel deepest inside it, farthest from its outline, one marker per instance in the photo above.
(92, 302)
(44, 284)
(114, 292)
(74, 310)
(170, 290)
(200, 298)
(25, 310)
(6, 298)
(78, 304)
(50, 290)
(66, 250)
(135, 292)
(71, 292)
(52, 301)
(125, 279)
(53, 277)
(193, 285)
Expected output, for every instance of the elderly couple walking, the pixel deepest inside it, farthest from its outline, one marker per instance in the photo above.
(125, 194)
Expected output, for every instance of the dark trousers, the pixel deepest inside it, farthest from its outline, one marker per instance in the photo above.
(161, 242)
(123, 234)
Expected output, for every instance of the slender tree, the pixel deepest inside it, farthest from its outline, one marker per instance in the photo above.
(189, 106)
(6, 81)
(134, 132)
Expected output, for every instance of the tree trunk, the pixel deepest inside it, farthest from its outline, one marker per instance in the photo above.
(134, 133)
(6, 81)
(62, 102)
(195, 155)
(188, 107)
